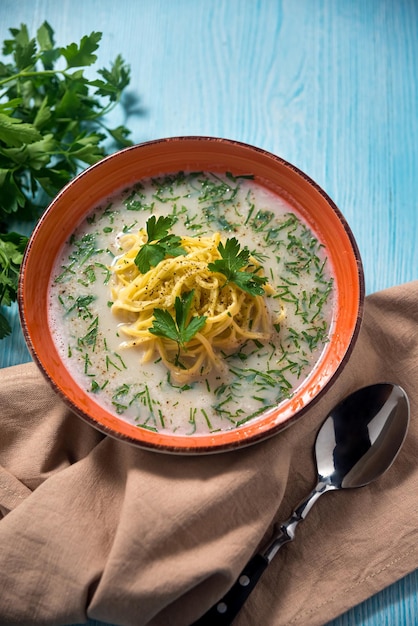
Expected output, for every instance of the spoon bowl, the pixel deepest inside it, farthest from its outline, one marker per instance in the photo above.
(357, 443)
(362, 436)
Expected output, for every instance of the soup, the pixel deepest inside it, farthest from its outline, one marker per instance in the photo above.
(192, 303)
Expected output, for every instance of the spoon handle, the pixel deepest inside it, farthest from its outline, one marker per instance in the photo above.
(285, 532)
(223, 612)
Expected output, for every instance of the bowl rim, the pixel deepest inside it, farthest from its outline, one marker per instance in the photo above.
(208, 444)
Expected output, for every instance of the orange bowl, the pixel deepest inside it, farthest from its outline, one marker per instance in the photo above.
(124, 169)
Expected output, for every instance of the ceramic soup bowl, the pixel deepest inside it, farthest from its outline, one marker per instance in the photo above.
(210, 424)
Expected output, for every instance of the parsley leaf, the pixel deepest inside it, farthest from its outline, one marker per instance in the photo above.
(14, 132)
(157, 229)
(159, 244)
(82, 55)
(233, 265)
(115, 79)
(181, 329)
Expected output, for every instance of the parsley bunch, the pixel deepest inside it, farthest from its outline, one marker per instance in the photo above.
(52, 124)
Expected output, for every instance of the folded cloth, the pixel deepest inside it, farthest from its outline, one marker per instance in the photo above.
(93, 528)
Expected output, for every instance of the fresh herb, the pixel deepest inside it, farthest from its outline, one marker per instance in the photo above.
(183, 328)
(95, 387)
(12, 246)
(232, 264)
(215, 196)
(106, 272)
(80, 305)
(90, 338)
(165, 186)
(159, 245)
(52, 124)
(192, 420)
(135, 202)
(119, 398)
(217, 191)
(89, 276)
(83, 250)
(118, 366)
(147, 402)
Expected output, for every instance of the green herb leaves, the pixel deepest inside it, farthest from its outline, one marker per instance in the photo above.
(82, 54)
(55, 117)
(183, 328)
(235, 263)
(12, 246)
(114, 81)
(52, 121)
(159, 245)
(15, 133)
(232, 265)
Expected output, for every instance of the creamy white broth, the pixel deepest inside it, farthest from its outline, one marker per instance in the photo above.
(254, 378)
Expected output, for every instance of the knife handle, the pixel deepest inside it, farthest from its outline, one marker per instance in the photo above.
(225, 610)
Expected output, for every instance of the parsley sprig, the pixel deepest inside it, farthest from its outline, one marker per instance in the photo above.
(181, 329)
(234, 265)
(52, 124)
(160, 244)
(12, 246)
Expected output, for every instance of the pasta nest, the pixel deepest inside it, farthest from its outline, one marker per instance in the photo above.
(233, 315)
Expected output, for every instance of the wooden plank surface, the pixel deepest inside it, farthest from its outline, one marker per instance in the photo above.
(329, 85)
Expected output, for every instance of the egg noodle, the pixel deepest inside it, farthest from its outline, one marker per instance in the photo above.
(233, 316)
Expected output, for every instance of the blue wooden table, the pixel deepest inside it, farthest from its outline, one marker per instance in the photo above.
(329, 85)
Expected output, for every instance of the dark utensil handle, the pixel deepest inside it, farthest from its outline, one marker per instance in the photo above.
(224, 611)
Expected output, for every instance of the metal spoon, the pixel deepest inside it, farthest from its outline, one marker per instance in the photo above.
(358, 441)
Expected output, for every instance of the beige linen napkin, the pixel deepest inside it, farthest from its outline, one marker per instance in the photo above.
(94, 528)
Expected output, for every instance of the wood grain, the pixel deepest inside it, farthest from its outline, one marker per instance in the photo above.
(330, 86)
